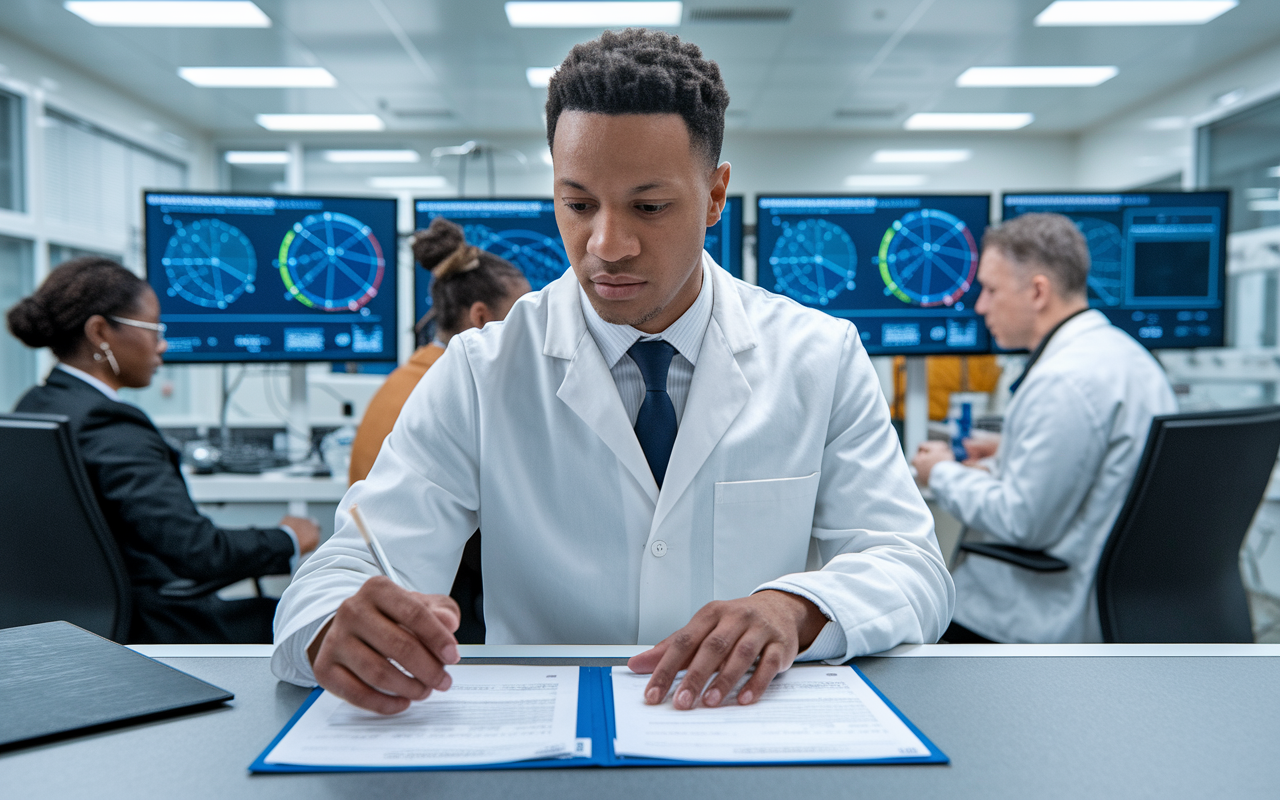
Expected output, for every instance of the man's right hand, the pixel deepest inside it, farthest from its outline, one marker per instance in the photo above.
(307, 531)
(350, 656)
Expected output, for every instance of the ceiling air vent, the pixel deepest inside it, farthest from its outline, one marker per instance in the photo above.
(744, 14)
(422, 113)
(866, 113)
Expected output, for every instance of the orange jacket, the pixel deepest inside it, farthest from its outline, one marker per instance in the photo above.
(385, 406)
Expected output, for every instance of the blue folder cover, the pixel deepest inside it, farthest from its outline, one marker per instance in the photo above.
(595, 722)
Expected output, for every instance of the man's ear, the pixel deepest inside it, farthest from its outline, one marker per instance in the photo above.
(1041, 291)
(719, 193)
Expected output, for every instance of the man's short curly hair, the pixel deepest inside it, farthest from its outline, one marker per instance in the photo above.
(640, 71)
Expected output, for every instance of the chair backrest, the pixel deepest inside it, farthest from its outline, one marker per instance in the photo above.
(59, 559)
(1170, 571)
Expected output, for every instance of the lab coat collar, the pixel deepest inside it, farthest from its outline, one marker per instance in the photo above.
(1073, 329)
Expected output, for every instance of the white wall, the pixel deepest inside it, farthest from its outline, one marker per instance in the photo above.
(1156, 138)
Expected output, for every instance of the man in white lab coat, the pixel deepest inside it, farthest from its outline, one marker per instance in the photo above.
(1073, 435)
(656, 452)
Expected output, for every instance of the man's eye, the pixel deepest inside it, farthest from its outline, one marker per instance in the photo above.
(577, 206)
(651, 208)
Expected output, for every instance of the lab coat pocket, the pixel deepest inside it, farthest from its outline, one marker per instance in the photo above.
(761, 532)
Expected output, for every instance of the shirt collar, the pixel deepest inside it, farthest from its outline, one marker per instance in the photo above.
(111, 394)
(685, 334)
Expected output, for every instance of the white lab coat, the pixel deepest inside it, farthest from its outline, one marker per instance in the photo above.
(784, 455)
(1073, 435)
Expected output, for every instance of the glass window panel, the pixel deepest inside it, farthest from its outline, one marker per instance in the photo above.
(1244, 156)
(11, 153)
(17, 361)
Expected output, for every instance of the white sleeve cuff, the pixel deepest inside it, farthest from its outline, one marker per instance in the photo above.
(289, 661)
(830, 642)
(297, 551)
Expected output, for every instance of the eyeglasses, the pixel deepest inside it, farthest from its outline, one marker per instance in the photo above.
(158, 327)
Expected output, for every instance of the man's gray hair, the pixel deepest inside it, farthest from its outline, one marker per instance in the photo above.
(1048, 243)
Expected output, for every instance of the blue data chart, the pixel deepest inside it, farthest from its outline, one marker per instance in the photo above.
(902, 269)
(244, 278)
(521, 230)
(724, 239)
(813, 261)
(331, 261)
(208, 262)
(1158, 259)
(928, 258)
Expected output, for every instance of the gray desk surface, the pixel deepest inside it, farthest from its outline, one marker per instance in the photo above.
(1018, 722)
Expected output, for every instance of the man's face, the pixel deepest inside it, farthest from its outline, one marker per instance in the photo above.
(1007, 302)
(633, 202)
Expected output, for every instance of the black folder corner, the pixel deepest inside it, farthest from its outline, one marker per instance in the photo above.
(57, 679)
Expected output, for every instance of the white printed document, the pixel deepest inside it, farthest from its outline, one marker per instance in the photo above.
(492, 714)
(808, 713)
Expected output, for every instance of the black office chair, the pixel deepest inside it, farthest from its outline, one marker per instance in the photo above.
(1170, 570)
(60, 561)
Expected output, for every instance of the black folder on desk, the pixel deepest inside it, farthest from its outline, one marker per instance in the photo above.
(57, 679)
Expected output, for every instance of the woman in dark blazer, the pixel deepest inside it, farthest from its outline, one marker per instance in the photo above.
(103, 324)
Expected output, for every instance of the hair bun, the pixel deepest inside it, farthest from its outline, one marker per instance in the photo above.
(437, 242)
(29, 322)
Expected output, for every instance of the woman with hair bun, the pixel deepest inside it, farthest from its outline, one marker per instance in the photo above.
(103, 324)
(469, 287)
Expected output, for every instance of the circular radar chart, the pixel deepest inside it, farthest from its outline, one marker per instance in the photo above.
(928, 258)
(332, 262)
(1105, 248)
(209, 263)
(540, 257)
(813, 261)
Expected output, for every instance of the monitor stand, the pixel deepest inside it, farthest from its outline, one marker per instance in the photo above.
(915, 410)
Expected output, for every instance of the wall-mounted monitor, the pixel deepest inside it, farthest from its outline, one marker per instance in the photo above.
(521, 230)
(1158, 259)
(724, 239)
(273, 278)
(903, 269)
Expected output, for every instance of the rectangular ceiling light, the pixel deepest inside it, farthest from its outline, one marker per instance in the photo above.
(920, 156)
(258, 77)
(539, 77)
(409, 182)
(526, 14)
(321, 122)
(884, 181)
(1133, 12)
(252, 157)
(1036, 76)
(372, 156)
(170, 13)
(969, 122)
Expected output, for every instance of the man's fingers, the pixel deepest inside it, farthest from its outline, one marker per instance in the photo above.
(645, 662)
(373, 668)
(740, 659)
(343, 683)
(681, 646)
(773, 660)
(389, 640)
(712, 653)
(417, 613)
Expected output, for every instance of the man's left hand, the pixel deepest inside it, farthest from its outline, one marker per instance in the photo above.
(727, 636)
(928, 456)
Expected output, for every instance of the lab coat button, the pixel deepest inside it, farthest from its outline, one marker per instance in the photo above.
(658, 548)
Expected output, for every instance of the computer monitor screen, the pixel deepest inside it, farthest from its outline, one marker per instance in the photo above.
(523, 231)
(902, 269)
(1158, 259)
(273, 278)
(724, 239)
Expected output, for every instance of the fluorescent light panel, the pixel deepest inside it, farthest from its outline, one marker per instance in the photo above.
(1036, 76)
(409, 182)
(524, 14)
(321, 122)
(1264, 205)
(884, 181)
(250, 157)
(1133, 12)
(920, 156)
(170, 14)
(968, 121)
(539, 77)
(372, 156)
(258, 77)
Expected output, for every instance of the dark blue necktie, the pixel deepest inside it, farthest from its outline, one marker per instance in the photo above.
(656, 422)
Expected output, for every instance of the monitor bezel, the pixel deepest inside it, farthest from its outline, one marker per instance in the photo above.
(392, 268)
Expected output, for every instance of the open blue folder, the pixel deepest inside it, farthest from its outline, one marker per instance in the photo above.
(595, 722)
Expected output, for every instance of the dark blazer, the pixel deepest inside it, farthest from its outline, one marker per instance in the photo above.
(162, 536)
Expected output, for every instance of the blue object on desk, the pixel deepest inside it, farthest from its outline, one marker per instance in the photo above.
(595, 722)
(963, 426)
